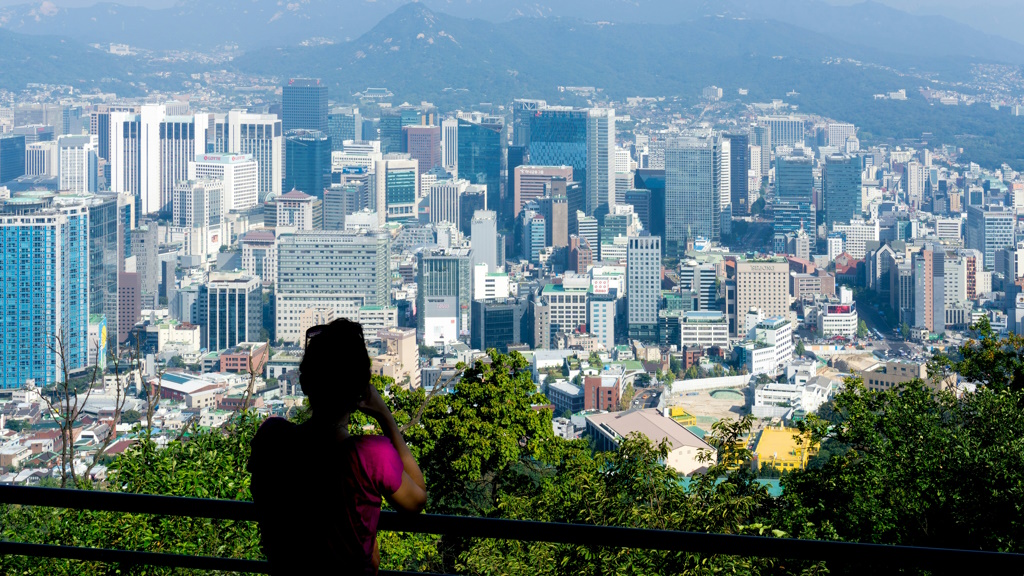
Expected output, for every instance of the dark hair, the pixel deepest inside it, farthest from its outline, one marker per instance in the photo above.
(335, 369)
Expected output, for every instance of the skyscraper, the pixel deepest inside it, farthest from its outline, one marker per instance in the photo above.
(239, 174)
(445, 202)
(558, 137)
(739, 164)
(785, 130)
(44, 289)
(841, 181)
(108, 228)
(445, 274)
(329, 270)
(600, 161)
(479, 160)
(423, 144)
(199, 216)
(692, 192)
(929, 286)
(522, 110)
(150, 152)
(304, 105)
(77, 164)
(233, 303)
(396, 190)
(485, 240)
(12, 157)
(308, 162)
(450, 146)
(261, 135)
(344, 123)
(532, 182)
(643, 287)
(989, 228)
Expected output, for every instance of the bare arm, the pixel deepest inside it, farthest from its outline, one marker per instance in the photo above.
(411, 496)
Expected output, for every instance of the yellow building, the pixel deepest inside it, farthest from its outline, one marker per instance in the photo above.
(778, 447)
(679, 414)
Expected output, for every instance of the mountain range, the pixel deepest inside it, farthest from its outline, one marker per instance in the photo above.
(205, 24)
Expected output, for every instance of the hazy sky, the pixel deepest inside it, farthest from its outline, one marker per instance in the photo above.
(1002, 17)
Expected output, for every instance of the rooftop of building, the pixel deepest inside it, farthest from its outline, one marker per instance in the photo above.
(651, 424)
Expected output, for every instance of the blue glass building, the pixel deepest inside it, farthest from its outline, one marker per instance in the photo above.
(307, 162)
(479, 160)
(558, 137)
(841, 180)
(44, 289)
(12, 157)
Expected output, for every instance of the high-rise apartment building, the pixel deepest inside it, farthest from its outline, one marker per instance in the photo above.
(304, 105)
(841, 183)
(44, 289)
(238, 174)
(643, 287)
(77, 164)
(339, 271)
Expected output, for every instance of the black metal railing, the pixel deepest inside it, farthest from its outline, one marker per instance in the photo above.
(841, 553)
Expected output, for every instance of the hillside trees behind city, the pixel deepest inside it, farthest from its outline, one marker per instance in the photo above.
(907, 466)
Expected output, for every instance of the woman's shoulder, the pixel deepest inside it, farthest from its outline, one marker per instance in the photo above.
(274, 430)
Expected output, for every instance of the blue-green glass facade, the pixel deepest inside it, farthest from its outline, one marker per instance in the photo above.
(307, 162)
(400, 193)
(479, 157)
(558, 137)
(841, 180)
(44, 292)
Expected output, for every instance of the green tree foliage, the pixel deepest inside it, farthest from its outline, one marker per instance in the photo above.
(898, 466)
(862, 329)
(800, 349)
(909, 466)
(628, 393)
(595, 361)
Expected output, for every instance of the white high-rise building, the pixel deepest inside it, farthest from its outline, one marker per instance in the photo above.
(239, 174)
(395, 189)
(445, 200)
(484, 239)
(77, 164)
(260, 135)
(41, 158)
(198, 216)
(643, 286)
(724, 147)
(838, 133)
(600, 158)
(914, 180)
(450, 146)
(856, 235)
(150, 152)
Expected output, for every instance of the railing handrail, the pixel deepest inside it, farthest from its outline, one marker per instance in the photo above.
(848, 553)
